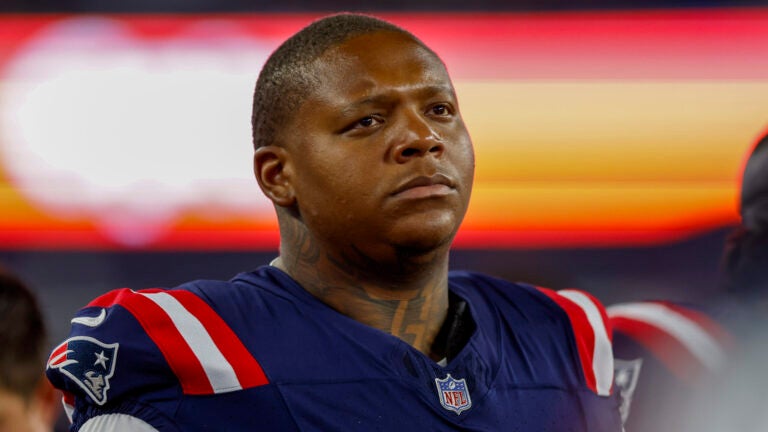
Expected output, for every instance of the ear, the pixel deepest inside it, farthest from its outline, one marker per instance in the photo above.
(271, 166)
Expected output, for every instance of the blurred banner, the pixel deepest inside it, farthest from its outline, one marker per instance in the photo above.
(591, 129)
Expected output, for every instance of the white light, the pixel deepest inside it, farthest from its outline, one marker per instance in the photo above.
(129, 131)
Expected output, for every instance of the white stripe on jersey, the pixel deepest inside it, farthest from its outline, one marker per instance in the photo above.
(689, 333)
(602, 358)
(218, 370)
(116, 423)
(69, 410)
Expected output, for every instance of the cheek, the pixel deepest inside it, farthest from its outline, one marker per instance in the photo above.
(335, 189)
(464, 161)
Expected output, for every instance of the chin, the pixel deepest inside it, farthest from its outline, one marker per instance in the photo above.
(426, 245)
(423, 232)
(426, 238)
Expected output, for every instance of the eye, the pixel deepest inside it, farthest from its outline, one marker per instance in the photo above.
(366, 123)
(440, 110)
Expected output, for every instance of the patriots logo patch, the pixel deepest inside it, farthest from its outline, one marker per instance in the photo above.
(453, 393)
(88, 362)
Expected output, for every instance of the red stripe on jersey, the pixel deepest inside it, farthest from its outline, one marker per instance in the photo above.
(68, 398)
(247, 369)
(57, 352)
(665, 347)
(68, 401)
(159, 327)
(111, 298)
(583, 333)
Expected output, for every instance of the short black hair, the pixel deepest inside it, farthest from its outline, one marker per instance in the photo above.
(286, 79)
(22, 337)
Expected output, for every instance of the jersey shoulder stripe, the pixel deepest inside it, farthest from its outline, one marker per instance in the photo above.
(593, 336)
(202, 350)
(686, 341)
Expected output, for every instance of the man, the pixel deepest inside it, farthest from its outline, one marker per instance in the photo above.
(357, 325)
(28, 403)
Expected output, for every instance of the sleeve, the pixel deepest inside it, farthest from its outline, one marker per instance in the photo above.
(110, 365)
(138, 353)
(592, 334)
(592, 337)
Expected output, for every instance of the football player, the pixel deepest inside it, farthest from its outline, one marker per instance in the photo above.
(357, 325)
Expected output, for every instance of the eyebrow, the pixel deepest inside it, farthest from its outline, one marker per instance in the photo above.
(386, 99)
(436, 89)
(353, 107)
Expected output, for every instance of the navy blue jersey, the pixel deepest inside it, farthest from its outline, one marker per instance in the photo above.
(260, 353)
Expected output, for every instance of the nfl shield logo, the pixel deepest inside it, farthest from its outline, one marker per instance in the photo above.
(453, 393)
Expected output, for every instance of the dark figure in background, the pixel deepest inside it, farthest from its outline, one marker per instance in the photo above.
(741, 391)
(358, 325)
(746, 254)
(28, 403)
(702, 367)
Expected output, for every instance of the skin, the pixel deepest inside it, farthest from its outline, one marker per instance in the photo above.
(37, 414)
(371, 178)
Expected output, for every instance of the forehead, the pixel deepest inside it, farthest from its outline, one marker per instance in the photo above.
(376, 61)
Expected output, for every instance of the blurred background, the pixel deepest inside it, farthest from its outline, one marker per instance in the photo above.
(610, 138)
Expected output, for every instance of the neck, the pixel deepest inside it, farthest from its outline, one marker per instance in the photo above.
(406, 296)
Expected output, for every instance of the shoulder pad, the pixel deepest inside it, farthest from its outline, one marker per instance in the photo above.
(687, 341)
(174, 326)
(592, 336)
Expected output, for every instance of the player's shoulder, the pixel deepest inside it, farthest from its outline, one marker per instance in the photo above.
(592, 335)
(581, 307)
(687, 339)
(157, 342)
(516, 302)
(471, 283)
(110, 352)
(570, 317)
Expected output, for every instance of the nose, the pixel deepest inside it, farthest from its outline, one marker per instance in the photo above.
(416, 139)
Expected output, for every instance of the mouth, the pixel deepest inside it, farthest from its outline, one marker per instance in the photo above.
(425, 187)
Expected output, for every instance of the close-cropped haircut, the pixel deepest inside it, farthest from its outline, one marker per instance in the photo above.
(22, 338)
(287, 78)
